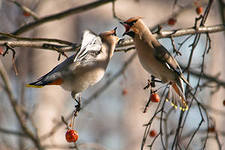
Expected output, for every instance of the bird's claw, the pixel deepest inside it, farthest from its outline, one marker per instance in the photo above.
(78, 105)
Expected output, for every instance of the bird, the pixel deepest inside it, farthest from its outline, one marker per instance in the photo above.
(84, 68)
(156, 60)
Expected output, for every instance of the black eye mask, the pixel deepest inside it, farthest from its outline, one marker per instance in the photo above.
(131, 23)
(131, 34)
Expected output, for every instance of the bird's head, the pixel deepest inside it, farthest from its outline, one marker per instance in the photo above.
(110, 36)
(131, 26)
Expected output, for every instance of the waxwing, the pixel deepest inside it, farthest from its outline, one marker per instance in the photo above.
(157, 60)
(86, 67)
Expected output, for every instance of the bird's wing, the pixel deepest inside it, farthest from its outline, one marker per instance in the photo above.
(177, 91)
(54, 77)
(90, 48)
(165, 57)
(91, 44)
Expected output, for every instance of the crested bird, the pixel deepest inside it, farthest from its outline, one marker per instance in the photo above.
(156, 60)
(84, 68)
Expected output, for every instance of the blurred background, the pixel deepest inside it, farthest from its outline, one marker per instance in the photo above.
(114, 120)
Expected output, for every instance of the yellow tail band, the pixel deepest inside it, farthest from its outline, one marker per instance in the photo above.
(175, 106)
(34, 86)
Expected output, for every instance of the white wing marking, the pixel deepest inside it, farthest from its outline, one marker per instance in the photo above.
(90, 42)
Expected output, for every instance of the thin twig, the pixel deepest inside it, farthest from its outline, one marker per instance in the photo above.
(16, 108)
(60, 15)
(25, 9)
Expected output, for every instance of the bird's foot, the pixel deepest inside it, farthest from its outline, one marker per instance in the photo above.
(151, 83)
(78, 105)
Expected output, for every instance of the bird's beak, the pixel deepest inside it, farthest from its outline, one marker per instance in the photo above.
(127, 28)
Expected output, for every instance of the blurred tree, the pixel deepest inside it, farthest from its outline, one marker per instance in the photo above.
(31, 118)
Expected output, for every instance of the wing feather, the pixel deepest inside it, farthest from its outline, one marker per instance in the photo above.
(90, 43)
(90, 48)
(164, 56)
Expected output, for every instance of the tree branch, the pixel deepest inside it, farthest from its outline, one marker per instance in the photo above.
(41, 45)
(8, 131)
(208, 77)
(181, 32)
(65, 46)
(60, 15)
(25, 9)
(16, 107)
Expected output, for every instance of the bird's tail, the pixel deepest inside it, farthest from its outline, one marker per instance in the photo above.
(43, 81)
(183, 78)
(37, 84)
(176, 96)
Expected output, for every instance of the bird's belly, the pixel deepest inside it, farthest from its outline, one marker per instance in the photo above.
(82, 79)
(156, 68)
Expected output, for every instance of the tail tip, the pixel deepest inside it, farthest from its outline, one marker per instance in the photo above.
(33, 86)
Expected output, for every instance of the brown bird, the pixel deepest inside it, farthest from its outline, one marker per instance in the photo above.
(157, 60)
(86, 67)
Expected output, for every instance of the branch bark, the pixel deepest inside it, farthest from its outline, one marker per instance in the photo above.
(59, 45)
(181, 32)
(60, 15)
(16, 107)
(208, 77)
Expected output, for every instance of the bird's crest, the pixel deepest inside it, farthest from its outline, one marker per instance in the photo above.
(133, 19)
(111, 32)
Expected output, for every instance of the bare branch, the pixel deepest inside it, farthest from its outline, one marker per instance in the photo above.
(60, 15)
(181, 32)
(208, 77)
(9, 131)
(25, 9)
(16, 107)
(41, 45)
(65, 46)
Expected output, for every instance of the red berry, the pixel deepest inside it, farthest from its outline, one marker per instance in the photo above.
(152, 133)
(1, 51)
(199, 10)
(26, 14)
(71, 136)
(172, 21)
(155, 97)
(124, 92)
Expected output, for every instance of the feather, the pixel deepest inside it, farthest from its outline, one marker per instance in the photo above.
(90, 43)
(90, 48)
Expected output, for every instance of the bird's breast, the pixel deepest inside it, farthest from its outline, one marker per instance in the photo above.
(83, 77)
(151, 64)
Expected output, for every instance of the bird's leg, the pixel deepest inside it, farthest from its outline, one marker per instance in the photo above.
(74, 96)
(151, 84)
(77, 98)
(153, 81)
